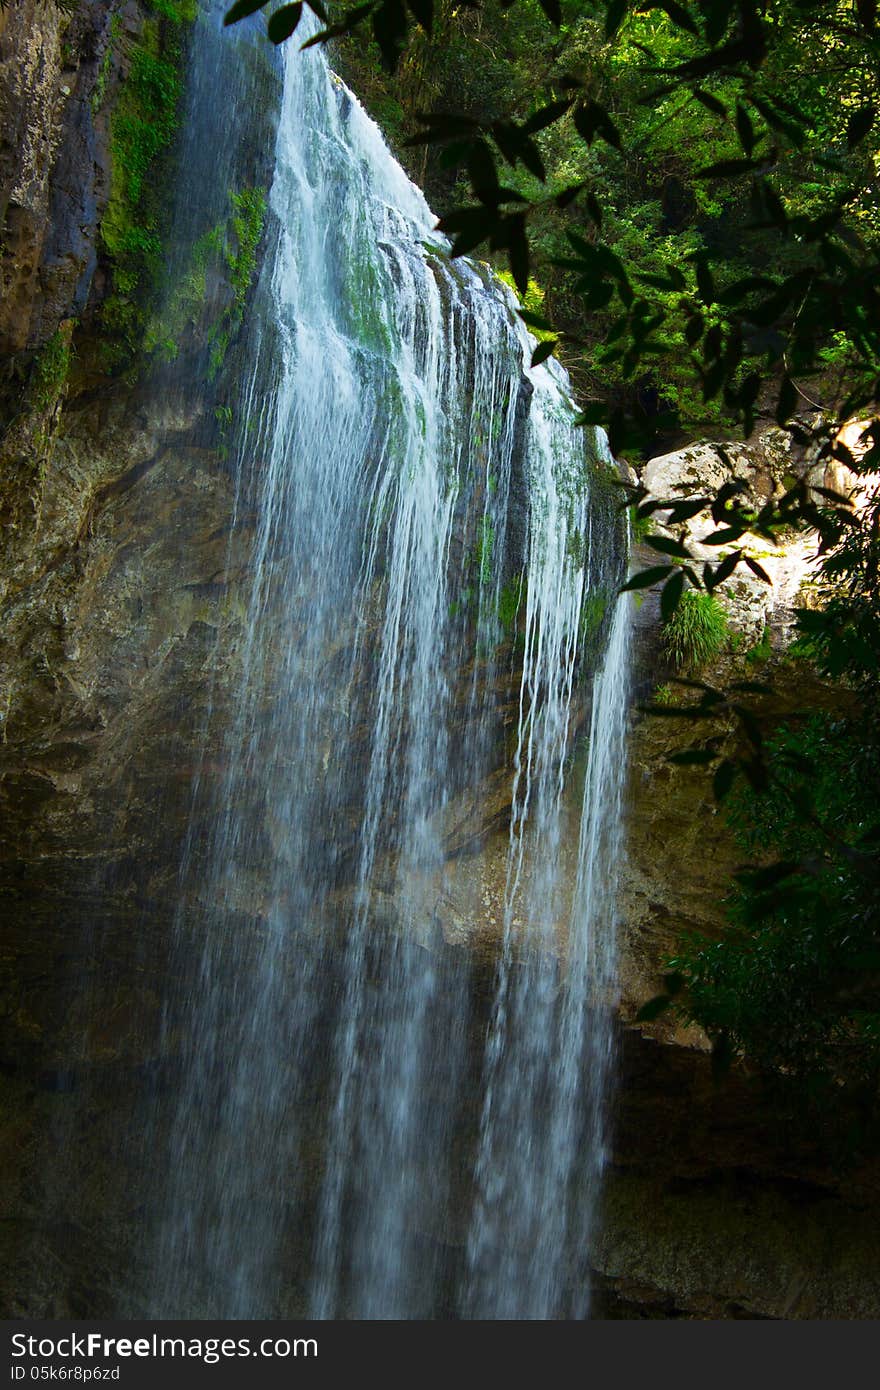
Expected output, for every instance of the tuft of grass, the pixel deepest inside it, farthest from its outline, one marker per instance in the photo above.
(696, 632)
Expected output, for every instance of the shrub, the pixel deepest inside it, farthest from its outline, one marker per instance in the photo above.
(696, 631)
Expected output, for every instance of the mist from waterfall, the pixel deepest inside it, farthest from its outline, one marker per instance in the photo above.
(433, 563)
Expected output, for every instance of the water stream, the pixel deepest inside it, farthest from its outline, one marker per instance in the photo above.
(368, 1120)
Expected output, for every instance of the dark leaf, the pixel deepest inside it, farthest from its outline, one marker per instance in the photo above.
(744, 129)
(860, 125)
(645, 578)
(543, 351)
(596, 414)
(760, 880)
(757, 569)
(568, 195)
(482, 172)
(469, 226)
(750, 724)
(787, 401)
(667, 546)
(676, 277)
(424, 13)
(728, 168)
(546, 116)
(671, 595)
(722, 780)
(553, 11)
(710, 102)
(683, 511)
(677, 13)
(535, 321)
(726, 536)
(283, 22)
(726, 568)
(693, 757)
(615, 13)
(241, 9)
(717, 15)
(389, 31)
(705, 282)
(693, 329)
(722, 1055)
(592, 120)
(730, 53)
(653, 1008)
(518, 253)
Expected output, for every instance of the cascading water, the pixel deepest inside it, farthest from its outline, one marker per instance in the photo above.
(423, 517)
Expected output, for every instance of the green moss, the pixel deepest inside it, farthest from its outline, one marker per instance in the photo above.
(143, 127)
(368, 322)
(239, 245)
(696, 631)
(593, 610)
(50, 371)
(229, 248)
(576, 548)
(510, 602)
(761, 651)
(177, 11)
(100, 88)
(484, 549)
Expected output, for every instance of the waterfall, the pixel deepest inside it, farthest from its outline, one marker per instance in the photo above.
(433, 560)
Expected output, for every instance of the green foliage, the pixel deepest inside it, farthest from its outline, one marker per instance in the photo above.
(696, 632)
(795, 983)
(49, 374)
(532, 301)
(142, 129)
(692, 185)
(761, 651)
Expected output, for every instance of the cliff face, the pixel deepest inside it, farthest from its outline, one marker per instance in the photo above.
(53, 172)
(120, 593)
(109, 511)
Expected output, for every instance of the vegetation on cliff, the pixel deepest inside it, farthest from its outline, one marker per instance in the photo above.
(143, 125)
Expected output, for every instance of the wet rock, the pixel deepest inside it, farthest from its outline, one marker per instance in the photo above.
(52, 168)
